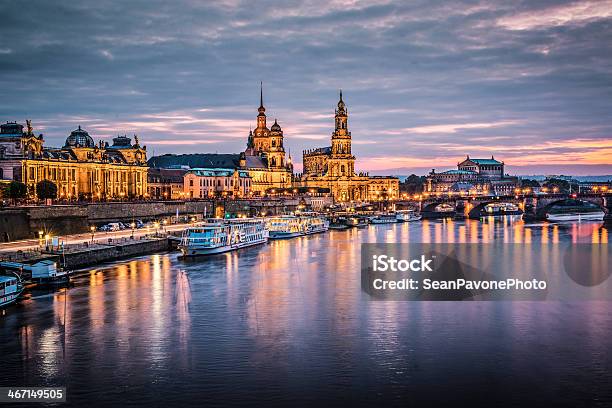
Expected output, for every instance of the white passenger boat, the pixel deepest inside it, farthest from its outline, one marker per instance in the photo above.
(10, 289)
(576, 216)
(289, 226)
(384, 219)
(284, 226)
(218, 236)
(314, 224)
(407, 216)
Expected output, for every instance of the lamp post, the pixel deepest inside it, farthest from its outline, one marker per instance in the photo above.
(40, 238)
(93, 232)
(133, 226)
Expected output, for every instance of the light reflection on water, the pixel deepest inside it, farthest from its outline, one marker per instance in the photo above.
(287, 321)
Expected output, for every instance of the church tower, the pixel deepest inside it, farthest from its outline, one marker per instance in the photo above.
(276, 152)
(342, 162)
(261, 142)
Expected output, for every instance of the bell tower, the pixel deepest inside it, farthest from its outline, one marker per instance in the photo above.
(261, 142)
(342, 161)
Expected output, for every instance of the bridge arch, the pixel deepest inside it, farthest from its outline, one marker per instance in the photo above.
(478, 209)
(593, 202)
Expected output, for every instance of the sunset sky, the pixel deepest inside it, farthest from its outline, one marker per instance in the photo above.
(425, 82)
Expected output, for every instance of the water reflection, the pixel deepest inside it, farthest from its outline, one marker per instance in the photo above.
(288, 320)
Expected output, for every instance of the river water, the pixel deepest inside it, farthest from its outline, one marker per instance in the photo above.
(286, 323)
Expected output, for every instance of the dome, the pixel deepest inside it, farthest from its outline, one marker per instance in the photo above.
(79, 138)
(275, 127)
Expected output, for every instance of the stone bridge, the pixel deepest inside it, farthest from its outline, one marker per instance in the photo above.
(534, 207)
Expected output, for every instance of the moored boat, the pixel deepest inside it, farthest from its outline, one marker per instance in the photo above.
(10, 289)
(576, 216)
(407, 216)
(218, 236)
(284, 226)
(314, 224)
(384, 219)
(45, 271)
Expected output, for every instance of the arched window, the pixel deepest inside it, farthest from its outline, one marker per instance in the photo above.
(342, 169)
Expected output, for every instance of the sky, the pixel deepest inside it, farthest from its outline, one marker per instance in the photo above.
(426, 82)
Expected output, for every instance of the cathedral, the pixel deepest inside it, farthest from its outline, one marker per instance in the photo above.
(264, 157)
(333, 167)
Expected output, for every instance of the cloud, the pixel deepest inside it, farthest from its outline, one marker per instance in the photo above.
(425, 81)
(454, 128)
(579, 12)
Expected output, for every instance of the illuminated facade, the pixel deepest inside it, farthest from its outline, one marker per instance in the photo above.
(264, 157)
(473, 176)
(204, 183)
(81, 169)
(333, 167)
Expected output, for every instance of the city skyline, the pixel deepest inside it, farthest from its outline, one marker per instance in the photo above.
(424, 83)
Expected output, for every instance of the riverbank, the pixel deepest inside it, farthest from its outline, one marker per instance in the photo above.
(80, 255)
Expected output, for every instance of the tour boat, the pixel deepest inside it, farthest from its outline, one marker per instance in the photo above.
(43, 271)
(406, 216)
(575, 210)
(284, 226)
(289, 226)
(384, 219)
(314, 224)
(10, 289)
(218, 236)
(338, 223)
(576, 216)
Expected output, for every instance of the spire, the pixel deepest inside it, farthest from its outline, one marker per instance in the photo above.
(341, 106)
(261, 107)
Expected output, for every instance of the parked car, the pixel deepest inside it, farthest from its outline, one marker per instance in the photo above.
(113, 226)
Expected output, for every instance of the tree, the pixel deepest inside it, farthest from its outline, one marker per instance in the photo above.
(46, 190)
(529, 183)
(16, 190)
(413, 184)
(562, 186)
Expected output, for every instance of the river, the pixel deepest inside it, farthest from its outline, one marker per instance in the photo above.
(286, 323)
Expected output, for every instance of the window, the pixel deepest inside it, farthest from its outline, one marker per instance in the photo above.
(191, 183)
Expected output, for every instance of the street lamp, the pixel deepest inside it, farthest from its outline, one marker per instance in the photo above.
(93, 232)
(133, 225)
(40, 238)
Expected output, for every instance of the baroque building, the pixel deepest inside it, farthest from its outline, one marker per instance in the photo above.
(264, 157)
(473, 176)
(81, 169)
(333, 167)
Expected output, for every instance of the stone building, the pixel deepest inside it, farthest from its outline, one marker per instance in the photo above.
(264, 157)
(165, 184)
(208, 183)
(333, 167)
(473, 176)
(81, 169)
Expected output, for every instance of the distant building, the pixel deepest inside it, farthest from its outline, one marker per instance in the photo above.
(208, 183)
(473, 176)
(81, 169)
(333, 167)
(595, 187)
(264, 158)
(166, 184)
